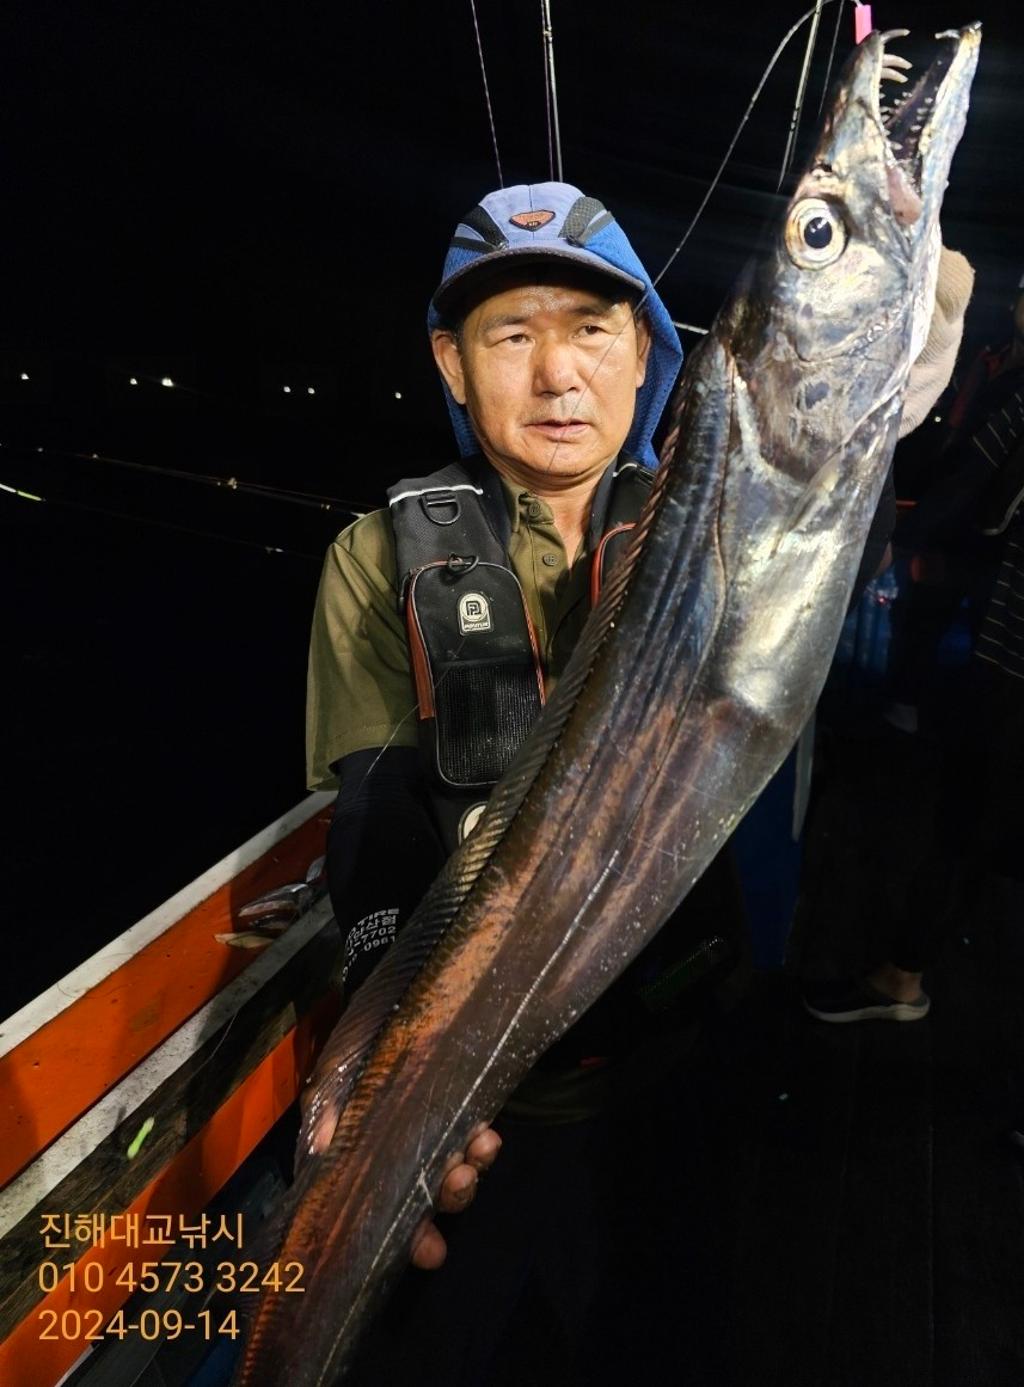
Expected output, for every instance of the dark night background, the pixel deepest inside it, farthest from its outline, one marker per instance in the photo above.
(241, 197)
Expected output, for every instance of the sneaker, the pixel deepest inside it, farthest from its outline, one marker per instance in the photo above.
(859, 1001)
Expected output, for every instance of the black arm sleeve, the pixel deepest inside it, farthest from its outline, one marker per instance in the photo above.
(382, 852)
(879, 536)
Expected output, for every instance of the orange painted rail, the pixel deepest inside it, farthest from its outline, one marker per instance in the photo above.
(62, 1069)
(183, 1188)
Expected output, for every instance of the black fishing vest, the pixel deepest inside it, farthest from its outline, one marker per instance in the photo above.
(480, 685)
(476, 663)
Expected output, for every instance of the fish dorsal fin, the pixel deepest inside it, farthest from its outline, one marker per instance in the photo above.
(344, 1056)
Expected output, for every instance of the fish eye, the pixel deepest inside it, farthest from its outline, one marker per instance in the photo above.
(815, 234)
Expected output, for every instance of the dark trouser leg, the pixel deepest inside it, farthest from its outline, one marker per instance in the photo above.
(977, 816)
(932, 901)
(934, 891)
(539, 1207)
(664, 1310)
(921, 616)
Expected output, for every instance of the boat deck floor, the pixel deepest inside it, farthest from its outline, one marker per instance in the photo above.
(857, 1220)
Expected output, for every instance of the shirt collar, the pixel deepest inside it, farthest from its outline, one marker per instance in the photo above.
(513, 491)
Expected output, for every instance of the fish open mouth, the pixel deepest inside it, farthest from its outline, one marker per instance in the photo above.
(909, 122)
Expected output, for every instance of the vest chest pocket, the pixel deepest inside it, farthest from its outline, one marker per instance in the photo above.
(479, 679)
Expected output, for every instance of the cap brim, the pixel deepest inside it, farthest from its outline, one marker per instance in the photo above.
(455, 289)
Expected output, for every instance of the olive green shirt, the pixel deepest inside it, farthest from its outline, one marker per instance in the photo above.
(360, 691)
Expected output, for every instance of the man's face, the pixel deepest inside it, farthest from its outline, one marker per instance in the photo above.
(549, 375)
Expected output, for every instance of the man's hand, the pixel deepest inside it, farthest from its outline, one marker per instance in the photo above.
(457, 1191)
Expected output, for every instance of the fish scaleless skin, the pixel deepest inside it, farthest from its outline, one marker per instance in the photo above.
(690, 684)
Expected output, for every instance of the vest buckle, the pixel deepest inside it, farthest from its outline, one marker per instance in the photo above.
(436, 503)
(460, 564)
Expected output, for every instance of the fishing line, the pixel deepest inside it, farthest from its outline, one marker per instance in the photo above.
(831, 60)
(213, 1054)
(801, 90)
(436, 685)
(487, 92)
(732, 143)
(703, 203)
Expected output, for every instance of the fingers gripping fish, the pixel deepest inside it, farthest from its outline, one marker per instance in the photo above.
(690, 684)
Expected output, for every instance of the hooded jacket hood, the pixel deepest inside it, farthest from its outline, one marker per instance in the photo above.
(545, 221)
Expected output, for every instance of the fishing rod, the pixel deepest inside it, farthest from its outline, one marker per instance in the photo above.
(333, 503)
(136, 519)
(551, 92)
(308, 499)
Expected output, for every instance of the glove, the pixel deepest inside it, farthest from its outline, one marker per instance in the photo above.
(933, 369)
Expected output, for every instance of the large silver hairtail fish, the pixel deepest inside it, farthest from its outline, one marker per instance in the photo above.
(691, 682)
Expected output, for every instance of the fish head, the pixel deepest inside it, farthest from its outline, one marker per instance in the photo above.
(816, 347)
(835, 314)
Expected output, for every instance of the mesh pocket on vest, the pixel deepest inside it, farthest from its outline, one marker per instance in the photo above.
(485, 711)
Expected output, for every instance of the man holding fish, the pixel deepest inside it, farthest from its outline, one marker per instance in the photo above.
(557, 358)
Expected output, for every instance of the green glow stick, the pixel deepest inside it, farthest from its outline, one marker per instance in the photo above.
(140, 1137)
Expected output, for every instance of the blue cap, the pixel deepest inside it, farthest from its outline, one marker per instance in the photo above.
(555, 221)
